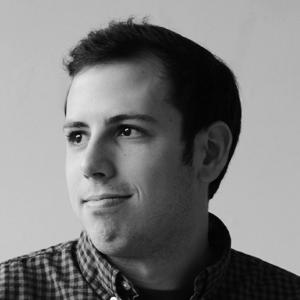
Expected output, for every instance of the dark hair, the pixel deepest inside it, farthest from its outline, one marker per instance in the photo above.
(204, 88)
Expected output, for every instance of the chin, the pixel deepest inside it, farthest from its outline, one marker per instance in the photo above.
(108, 240)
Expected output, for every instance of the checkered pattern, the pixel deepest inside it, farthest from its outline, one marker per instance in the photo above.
(76, 270)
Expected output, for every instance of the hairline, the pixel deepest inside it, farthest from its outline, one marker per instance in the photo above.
(139, 56)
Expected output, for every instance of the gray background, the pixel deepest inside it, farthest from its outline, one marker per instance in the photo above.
(259, 39)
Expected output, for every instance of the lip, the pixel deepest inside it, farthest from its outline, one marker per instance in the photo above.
(105, 197)
(105, 201)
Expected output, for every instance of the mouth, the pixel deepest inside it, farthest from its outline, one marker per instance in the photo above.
(105, 201)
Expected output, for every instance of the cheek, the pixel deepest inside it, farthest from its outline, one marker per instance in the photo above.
(72, 172)
(155, 170)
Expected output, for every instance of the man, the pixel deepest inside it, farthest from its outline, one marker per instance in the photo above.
(152, 121)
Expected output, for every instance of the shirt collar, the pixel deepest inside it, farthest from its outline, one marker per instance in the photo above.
(96, 269)
(106, 280)
(219, 239)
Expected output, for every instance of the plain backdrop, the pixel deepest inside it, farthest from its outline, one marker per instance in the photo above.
(259, 39)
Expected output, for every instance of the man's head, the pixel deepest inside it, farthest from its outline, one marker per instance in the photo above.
(149, 117)
(203, 88)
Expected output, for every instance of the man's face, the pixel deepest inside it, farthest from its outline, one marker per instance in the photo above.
(126, 179)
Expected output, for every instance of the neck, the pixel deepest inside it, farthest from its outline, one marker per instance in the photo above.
(174, 266)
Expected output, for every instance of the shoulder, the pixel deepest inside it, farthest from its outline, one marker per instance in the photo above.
(258, 268)
(39, 259)
(257, 277)
(38, 268)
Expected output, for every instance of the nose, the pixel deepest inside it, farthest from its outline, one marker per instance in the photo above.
(97, 162)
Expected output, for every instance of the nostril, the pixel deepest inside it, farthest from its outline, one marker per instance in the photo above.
(99, 171)
(95, 175)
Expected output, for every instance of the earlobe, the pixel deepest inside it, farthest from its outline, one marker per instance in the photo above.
(212, 147)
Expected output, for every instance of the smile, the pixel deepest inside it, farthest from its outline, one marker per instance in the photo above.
(105, 201)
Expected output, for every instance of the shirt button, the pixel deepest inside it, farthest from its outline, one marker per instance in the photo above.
(126, 285)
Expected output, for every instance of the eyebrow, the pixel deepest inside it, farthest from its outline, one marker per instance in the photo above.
(127, 117)
(71, 124)
(113, 120)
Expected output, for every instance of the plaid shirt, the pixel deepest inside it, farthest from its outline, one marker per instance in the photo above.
(76, 270)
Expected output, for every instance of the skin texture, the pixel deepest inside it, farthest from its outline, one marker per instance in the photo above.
(161, 227)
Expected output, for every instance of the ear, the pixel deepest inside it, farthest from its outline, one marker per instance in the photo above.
(211, 150)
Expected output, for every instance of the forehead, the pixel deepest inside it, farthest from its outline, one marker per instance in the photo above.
(115, 87)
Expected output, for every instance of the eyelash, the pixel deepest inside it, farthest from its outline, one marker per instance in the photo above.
(122, 128)
(72, 135)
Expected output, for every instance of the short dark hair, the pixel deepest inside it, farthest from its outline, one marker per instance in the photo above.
(204, 88)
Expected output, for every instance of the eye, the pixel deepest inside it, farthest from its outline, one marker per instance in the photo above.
(126, 131)
(129, 131)
(75, 137)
